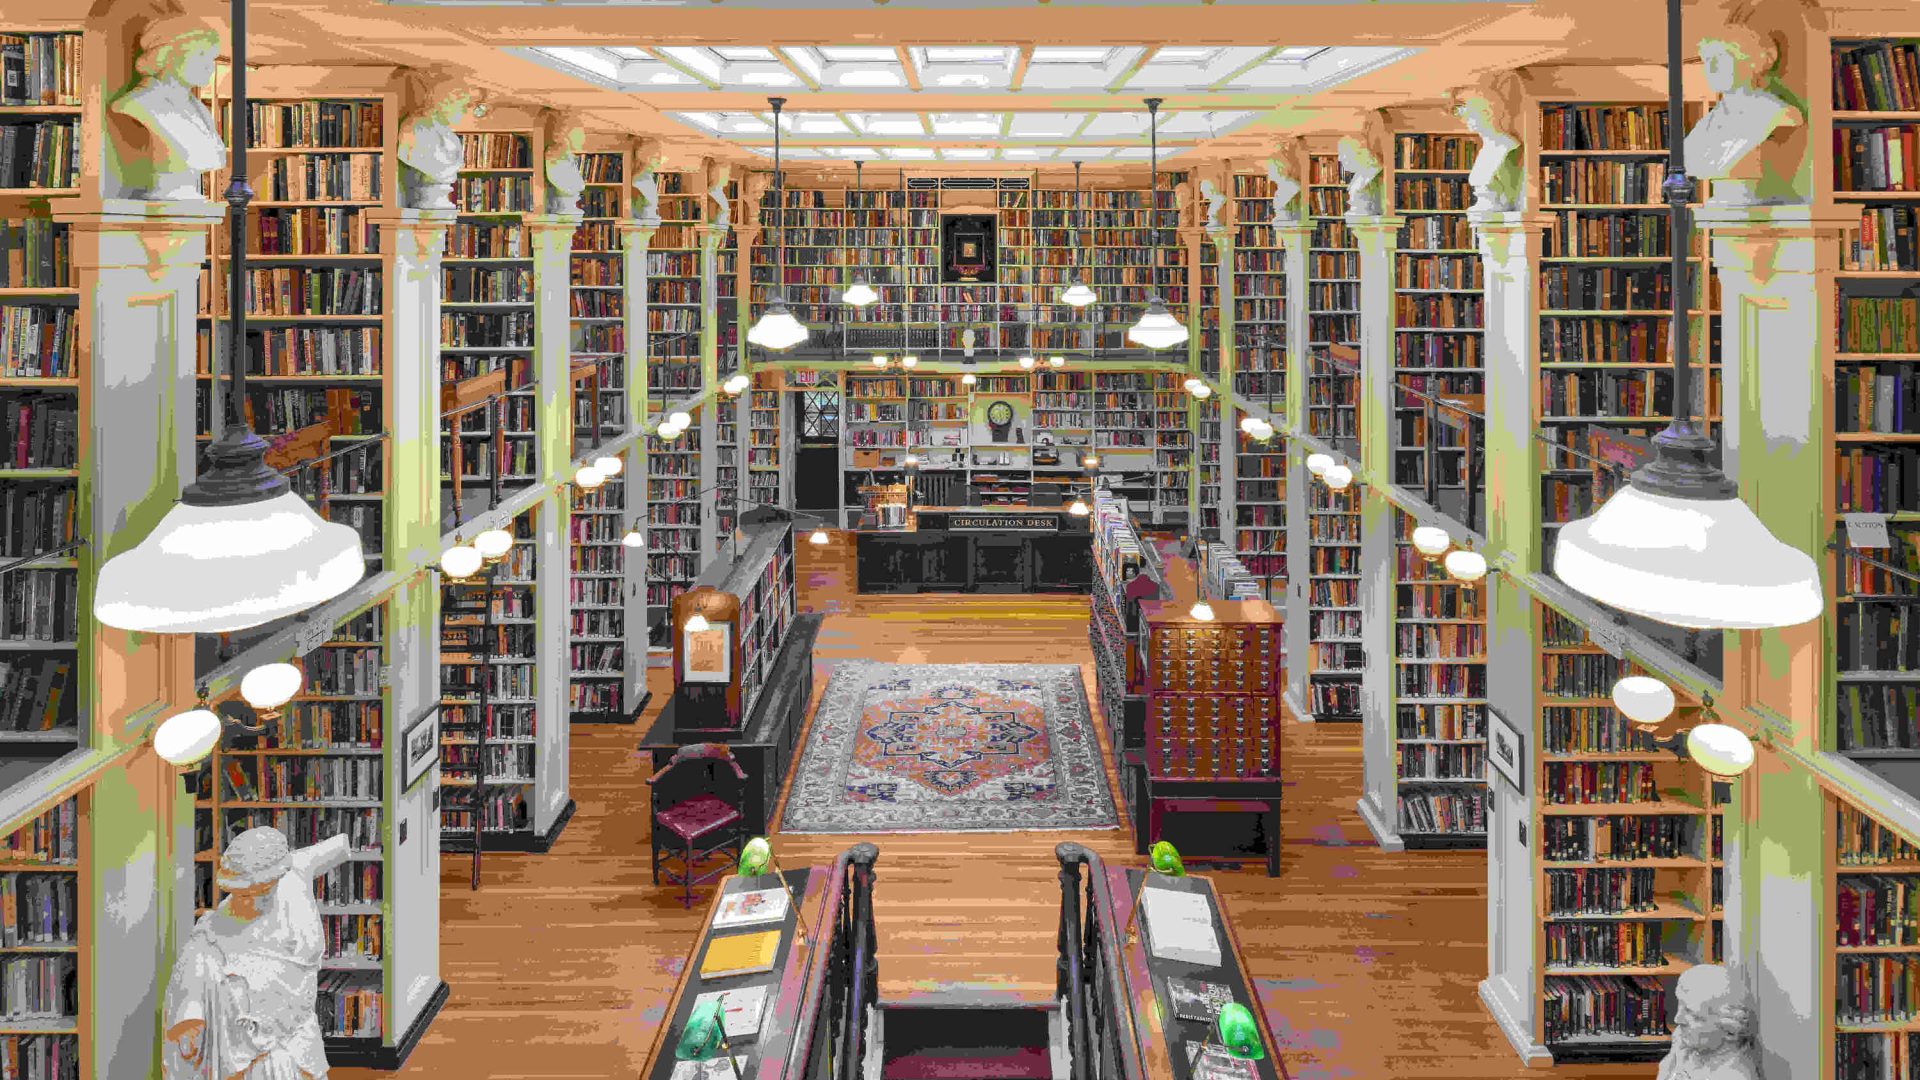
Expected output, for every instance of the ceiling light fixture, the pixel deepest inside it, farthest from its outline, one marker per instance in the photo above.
(239, 548)
(1077, 295)
(611, 464)
(1318, 464)
(1677, 544)
(1056, 361)
(1026, 363)
(859, 294)
(1157, 328)
(1466, 565)
(1643, 700)
(777, 328)
(493, 544)
(1431, 542)
(1337, 477)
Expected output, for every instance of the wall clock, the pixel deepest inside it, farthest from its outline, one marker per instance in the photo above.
(999, 419)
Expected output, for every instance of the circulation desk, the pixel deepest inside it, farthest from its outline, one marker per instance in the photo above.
(981, 549)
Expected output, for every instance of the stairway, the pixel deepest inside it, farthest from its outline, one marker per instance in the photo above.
(957, 1037)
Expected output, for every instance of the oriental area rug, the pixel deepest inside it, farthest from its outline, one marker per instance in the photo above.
(950, 748)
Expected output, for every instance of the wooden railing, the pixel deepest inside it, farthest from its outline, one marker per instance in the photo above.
(1102, 1040)
(843, 976)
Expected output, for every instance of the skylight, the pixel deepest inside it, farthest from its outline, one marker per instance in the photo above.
(856, 54)
(1072, 54)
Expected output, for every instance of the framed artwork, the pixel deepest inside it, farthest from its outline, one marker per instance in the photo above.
(1505, 750)
(707, 654)
(420, 747)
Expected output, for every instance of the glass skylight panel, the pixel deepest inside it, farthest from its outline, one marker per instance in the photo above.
(1193, 68)
(1085, 153)
(742, 52)
(1028, 153)
(952, 124)
(707, 120)
(1116, 125)
(1180, 54)
(908, 153)
(1305, 69)
(857, 77)
(857, 54)
(1296, 53)
(764, 76)
(889, 124)
(815, 124)
(1060, 67)
(964, 54)
(702, 61)
(1045, 125)
(1198, 123)
(592, 61)
(734, 123)
(628, 52)
(967, 153)
(1073, 54)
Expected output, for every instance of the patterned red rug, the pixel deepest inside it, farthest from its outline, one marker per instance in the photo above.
(950, 748)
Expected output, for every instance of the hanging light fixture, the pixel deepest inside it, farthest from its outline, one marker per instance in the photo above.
(1056, 361)
(1201, 611)
(1721, 749)
(1202, 392)
(269, 687)
(968, 379)
(1466, 565)
(733, 387)
(239, 548)
(1318, 464)
(859, 294)
(777, 328)
(493, 544)
(818, 538)
(679, 419)
(610, 464)
(1157, 328)
(1078, 294)
(589, 478)
(909, 360)
(1643, 700)
(1431, 542)
(185, 739)
(1078, 508)
(634, 537)
(460, 562)
(879, 361)
(1677, 544)
(697, 622)
(1026, 363)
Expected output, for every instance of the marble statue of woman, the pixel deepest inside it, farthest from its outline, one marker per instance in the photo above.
(1721, 146)
(1496, 177)
(566, 137)
(647, 160)
(240, 1005)
(718, 173)
(1362, 167)
(1283, 169)
(429, 151)
(1712, 1030)
(176, 58)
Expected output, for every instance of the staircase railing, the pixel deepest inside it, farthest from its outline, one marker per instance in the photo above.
(1102, 1042)
(843, 977)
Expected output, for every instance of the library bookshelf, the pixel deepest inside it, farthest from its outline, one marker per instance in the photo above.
(677, 309)
(1259, 509)
(1257, 503)
(1336, 647)
(1333, 305)
(596, 575)
(1204, 459)
(768, 421)
(43, 404)
(1872, 874)
(597, 296)
(1439, 315)
(1627, 852)
(320, 771)
(1874, 357)
(45, 1026)
(1439, 704)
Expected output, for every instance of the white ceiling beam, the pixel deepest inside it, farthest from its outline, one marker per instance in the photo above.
(907, 69)
(1021, 60)
(1244, 68)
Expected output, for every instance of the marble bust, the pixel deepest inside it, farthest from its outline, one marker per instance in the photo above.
(647, 160)
(1216, 201)
(1713, 1029)
(1362, 167)
(718, 174)
(1737, 63)
(566, 137)
(429, 151)
(1495, 177)
(1283, 169)
(176, 58)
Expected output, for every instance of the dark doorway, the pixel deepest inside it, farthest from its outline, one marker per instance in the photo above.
(816, 462)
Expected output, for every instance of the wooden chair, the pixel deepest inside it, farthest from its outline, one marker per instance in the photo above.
(698, 801)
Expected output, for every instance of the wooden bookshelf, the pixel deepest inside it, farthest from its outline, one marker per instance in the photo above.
(676, 311)
(1439, 700)
(1870, 1017)
(597, 632)
(767, 425)
(1626, 848)
(1333, 305)
(1209, 437)
(1336, 656)
(1875, 358)
(317, 772)
(505, 734)
(674, 511)
(752, 595)
(597, 299)
(46, 892)
(1439, 316)
(1260, 510)
(1259, 296)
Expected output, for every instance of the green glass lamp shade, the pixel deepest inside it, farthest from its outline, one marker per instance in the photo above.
(1166, 860)
(701, 1036)
(1238, 1033)
(756, 857)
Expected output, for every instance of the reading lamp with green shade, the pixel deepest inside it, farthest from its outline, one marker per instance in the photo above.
(756, 857)
(704, 1036)
(1166, 860)
(1238, 1033)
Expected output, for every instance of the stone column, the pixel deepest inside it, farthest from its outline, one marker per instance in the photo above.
(635, 237)
(1222, 240)
(1294, 240)
(415, 243)
(707, 416)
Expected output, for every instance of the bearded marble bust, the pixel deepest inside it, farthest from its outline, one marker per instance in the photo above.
(1712, 1030)
(430, 152)
(176, 59)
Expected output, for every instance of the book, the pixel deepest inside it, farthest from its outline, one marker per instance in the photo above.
(1179, 926)
(740, 954)
(741, 1008)
(751, 908)
(710, 1069)
(1212, 1062)
(1196, 1000)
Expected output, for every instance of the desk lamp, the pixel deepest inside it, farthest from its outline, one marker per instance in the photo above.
(704, 1037)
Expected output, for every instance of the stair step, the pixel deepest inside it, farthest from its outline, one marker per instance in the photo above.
(966, 1041)
(1021, 1063)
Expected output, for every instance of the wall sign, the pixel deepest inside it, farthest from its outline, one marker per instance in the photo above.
(708, 654)
(1505, 751)
(1001, 522)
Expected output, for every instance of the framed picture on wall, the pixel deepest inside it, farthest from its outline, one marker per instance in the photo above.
(1505, 751)
(708, 654)
(420, 747)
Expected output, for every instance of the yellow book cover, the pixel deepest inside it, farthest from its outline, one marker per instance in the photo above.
(740, 954)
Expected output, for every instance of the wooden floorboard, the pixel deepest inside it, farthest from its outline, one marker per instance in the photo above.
(561, 964)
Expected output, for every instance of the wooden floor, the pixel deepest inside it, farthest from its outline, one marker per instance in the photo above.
(561, 965)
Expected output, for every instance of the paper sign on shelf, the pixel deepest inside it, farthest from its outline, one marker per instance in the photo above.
(1866, 531)
(310, 636)
(1610, 639)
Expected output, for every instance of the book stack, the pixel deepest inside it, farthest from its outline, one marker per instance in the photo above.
(1440, 702)
(1179, 926)
(40, 931)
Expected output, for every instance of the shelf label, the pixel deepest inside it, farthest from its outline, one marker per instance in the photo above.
(386, 674)
(1866, 531)
(1609, 638)
(310, 636)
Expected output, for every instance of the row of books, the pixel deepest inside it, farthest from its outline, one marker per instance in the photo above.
(1889, 1055)
(1878, 324)
(1445, 812)
(1627, 128)
(38, 341)
(35, 252)
(1877, 716)
(40, 69)
(1877, 480)
(1878, 76)
(322, 177)
(486, 284)
(315, 124)
(1606, 891)
(493, 194)
(1581, 782)
(1597, 1006)
(496, 150)
(39, 606)
(43, 154)
(1888, 239)
(1590, 729)
(1444, 233)
(1875, 989)
(1870, 159)
(1439, 152)
(470, 240)
(1600, 182)
(39, 987)
(39, 909)
(36, 518)
(1442, 761)
(314, 230)
(1877, 637)
(1617, 838)
(1612, 943)
(299, 779)
(1876, 910)
(39, 431)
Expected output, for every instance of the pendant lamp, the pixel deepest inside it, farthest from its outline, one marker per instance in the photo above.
(239, 548)
(1157, 328)
(1077, 294)
(858, 293)
(1677, 544)
(777, 328)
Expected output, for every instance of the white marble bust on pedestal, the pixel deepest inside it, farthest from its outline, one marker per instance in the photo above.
(718, 174)
(1495, 177)
(1738, 63)
(647, 160)
(176, 59)
(1216, 201)
(429, 152)
(1283, 170)
(566, 137)
(1713, 1029)
(1362, 167)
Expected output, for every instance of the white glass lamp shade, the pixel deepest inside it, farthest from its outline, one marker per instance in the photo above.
(668, 432)
(1720, 749)
(1157, 328)
(1318, 464)
(493, 544)
(1338, 477)
(1078, 508)
(911, 461)
(777, 329)
(1466, 565)
(609, 465)
(1431, 541)
(1201, 610)
(1202, 392)
(460, 561)
(588, 477)
(697, 623)
(1643, 699)
(1056, 361)
(1026, 362)
(879, 361)
(1091, 461)
(1078, 295)
(680, 420)
(818, 538)
(736, 385)
(270, 686)
(969, 379)
(909, 360)
(634, 538)
(859, 294)
(1704, 564)
(1193, 384)
(213, 569)
(185, 739)
(1248, 424)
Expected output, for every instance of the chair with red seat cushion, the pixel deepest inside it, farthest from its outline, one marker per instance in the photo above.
(698, 801)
